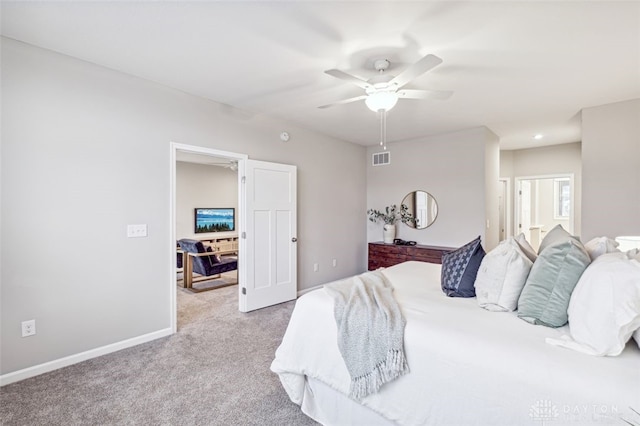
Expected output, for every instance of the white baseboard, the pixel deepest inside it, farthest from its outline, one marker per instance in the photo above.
(16, 376)
(307, 290)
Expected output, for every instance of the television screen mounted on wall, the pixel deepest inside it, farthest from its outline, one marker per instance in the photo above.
(214, 220)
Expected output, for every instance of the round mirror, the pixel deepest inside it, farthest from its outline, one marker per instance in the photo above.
(423, 207)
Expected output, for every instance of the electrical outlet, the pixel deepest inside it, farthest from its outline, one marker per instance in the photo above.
(335, 263)
(315, 267)
(136, 231)
(28, 328)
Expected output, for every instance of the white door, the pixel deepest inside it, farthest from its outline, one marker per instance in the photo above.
(421, 207)
(525, 208)
(269, 193)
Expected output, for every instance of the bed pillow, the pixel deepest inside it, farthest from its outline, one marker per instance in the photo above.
(557, 234)
(526, 247)
(634, 254)
(555, 273)
(501, 277)
(601, 245)
(605, 306)
(459, 269)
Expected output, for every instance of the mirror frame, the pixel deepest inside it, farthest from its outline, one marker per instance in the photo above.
(412, 194)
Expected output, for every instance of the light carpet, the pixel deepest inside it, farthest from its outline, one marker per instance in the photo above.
(213, 371)
(225, 279)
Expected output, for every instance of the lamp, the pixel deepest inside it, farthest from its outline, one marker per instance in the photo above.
(381, 101)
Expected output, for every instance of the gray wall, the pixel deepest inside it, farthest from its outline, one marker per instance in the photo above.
(491, 189)
(201, 185)
(451, 168)
(85, 151)
(547, 160)
(611, 170)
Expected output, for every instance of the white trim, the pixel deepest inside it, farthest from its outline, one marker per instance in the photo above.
(508, 211)
(173, 303)
(307, 290)
(26, 373)
(192, 149)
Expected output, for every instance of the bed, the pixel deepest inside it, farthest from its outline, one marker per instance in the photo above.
(468, 366)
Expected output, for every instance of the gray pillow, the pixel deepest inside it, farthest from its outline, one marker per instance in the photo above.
(556, 235)
(545, 298)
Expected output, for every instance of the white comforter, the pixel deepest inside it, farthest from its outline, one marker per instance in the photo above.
(468, 366)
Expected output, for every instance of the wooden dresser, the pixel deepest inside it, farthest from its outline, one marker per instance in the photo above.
(384, 255)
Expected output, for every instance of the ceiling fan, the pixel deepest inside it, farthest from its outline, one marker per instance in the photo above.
(383, 90)
(231, 165)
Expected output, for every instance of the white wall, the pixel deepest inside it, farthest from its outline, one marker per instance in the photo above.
(543, 161)
(611, 170)
(201, 185)
(86, 151)
(451, 168)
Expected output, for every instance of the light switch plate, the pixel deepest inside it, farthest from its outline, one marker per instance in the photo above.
(136, 231)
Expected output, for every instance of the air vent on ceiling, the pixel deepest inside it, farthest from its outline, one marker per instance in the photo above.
(381, 158)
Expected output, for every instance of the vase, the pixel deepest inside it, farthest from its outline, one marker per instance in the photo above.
(388, 233)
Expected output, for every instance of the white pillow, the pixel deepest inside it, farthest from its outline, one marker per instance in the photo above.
(601, 245)
(604, 310)
(501, 276)
(526, 247)
(634, 254)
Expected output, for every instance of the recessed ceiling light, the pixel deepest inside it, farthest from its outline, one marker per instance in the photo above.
(538, 136)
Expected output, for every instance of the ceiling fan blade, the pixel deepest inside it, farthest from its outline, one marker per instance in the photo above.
(424, 94)
(348, 77)
(346, 101)
(420, 67)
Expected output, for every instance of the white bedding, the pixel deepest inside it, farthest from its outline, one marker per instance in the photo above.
(468, 366)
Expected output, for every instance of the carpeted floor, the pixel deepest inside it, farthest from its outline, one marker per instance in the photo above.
(213, 371)
(225, 279)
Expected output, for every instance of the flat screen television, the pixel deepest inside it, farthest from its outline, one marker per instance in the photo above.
(214, 220)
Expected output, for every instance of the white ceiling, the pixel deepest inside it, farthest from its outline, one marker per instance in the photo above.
(519, 68)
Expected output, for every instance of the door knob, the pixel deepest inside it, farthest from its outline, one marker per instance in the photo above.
(294, 239)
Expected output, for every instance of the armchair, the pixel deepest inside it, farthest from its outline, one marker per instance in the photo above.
(202, 261)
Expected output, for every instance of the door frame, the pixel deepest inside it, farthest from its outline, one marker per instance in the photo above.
(516, 189)
(508, 231)
(211, 152)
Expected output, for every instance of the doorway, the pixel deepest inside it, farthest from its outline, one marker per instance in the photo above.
(206, 207)
(200, 155)
(542, 202)
(266, 227)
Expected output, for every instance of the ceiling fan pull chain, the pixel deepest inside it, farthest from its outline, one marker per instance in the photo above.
(381, 127)
(384, 129)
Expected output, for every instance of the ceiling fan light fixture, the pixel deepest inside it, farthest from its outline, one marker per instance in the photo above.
(381, 101)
